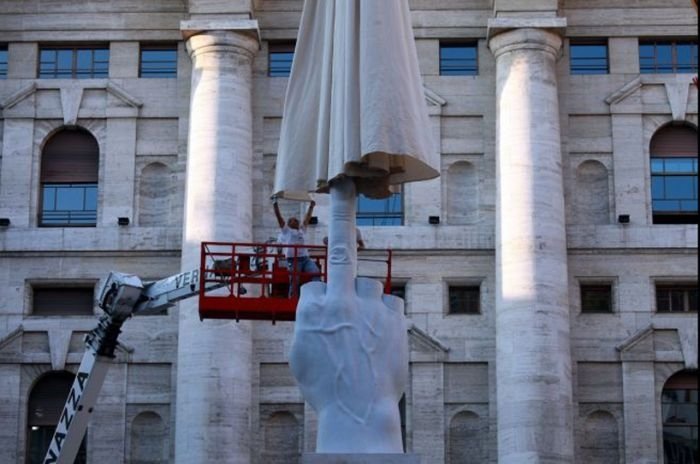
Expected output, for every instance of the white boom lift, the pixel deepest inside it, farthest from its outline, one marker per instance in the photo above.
(121, 296)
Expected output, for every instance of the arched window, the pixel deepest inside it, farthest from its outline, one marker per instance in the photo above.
(466, 439)
(69, 163)
(154, 195)
(148, 439)
(46, 401)
(592, 193)
(462, 192)
(679, 410)
(674, 175)
(600, 439)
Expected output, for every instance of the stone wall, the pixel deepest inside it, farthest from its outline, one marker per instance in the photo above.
(619, 361)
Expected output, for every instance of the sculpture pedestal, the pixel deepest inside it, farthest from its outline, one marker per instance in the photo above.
(327, 458)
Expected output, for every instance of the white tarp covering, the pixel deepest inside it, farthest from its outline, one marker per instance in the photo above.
(355, 104)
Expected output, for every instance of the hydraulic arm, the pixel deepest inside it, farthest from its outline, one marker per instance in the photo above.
(120, 297)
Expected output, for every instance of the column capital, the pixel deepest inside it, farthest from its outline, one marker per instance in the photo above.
(209, 34)
(526, 36)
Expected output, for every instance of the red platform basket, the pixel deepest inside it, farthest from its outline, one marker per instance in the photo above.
(251, 281)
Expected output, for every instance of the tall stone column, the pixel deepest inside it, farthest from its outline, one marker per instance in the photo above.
(214, 357)
(533, 360)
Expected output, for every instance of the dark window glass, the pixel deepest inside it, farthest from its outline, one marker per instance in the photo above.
(384, 212)
(280, 58)
(400, 291)
(459, 59)
(464, 300)
(46, 402)
(73, 62)
(677, 298)
(679, 410)
(588, 57)
(63, 301)
(674, 189)
(3, 62)
(668, 56)
(158, 61)
(69, 205)
(596, 298)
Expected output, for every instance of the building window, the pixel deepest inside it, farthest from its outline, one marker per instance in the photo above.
(384, 212)
(158, 61)
(63, 301)
(46, 401)
(73, 62)
(3, 62)
(679, 409)
(69, 164)
(280, 58)
(668, 56)
(588, 56)
(674, 175)
(459, 59)
(596, 298)
(677, 297)
(464, 299)
(398, 290)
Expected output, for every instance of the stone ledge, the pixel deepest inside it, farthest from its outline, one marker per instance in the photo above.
(195, 26)
(498, 25)
(322, 458)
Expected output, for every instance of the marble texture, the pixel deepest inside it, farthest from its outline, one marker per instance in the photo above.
(533, 365)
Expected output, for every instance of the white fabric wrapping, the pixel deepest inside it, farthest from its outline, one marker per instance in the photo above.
(355, 104)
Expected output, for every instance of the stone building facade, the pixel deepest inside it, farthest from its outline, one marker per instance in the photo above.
(579, 338)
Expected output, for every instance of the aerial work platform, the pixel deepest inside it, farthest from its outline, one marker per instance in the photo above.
(253, 281)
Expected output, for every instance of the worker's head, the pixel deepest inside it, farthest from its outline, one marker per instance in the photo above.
(293, 223)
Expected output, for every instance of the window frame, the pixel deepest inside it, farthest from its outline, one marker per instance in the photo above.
(575, 42)
(145, 47)
(469, 284)
(74, 49)
(686, 382)
(72, 217)
(70, 158)
(468, 71)
(4, 63)
(673, 143)
(57, 287)
(389, 216)
(597, 284)
(660, 216)
(683, 285)
(674, 65)
(280, 47)
(61, 379)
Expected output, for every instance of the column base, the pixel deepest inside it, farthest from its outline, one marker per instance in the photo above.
(328, 458)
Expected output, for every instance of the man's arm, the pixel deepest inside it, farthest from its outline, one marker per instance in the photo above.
(278, 215)
(309, 213)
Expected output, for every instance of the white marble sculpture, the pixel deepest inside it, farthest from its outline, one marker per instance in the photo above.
(350, 347)
(355, 121)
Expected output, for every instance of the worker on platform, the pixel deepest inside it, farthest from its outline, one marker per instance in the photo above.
(294, 233)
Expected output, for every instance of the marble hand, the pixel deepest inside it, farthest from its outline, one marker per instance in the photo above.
(350, 354)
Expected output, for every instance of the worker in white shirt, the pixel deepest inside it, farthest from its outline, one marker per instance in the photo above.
(292, 232)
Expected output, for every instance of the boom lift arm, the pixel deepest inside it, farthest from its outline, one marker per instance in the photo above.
(121, 296)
